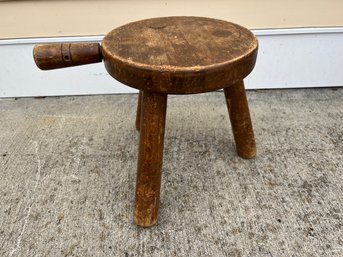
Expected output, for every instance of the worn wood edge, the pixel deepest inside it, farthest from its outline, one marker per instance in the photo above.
(169, 68)
(114, 69)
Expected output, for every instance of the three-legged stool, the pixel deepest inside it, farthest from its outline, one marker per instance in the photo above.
(161, 56)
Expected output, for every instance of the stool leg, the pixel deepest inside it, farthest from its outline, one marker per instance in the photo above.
(238, 108)
(150, 157)
(138, 114)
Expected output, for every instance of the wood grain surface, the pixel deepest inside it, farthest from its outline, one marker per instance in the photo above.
(63, 55)
(148, 184)
(238, 108)
(179, 55)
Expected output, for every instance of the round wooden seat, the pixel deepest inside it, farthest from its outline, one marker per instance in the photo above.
(179, 55)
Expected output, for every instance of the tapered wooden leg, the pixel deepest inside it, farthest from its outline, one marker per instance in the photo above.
(138, 114)
(150, 157)
(238, 108)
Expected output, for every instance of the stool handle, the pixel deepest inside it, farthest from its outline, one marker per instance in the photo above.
(62, 55)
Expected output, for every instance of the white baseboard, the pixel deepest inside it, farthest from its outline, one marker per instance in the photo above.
(287, 58)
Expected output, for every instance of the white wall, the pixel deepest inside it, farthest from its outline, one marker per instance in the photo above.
(288, 58)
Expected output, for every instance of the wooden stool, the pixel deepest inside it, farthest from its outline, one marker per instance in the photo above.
(161, 56)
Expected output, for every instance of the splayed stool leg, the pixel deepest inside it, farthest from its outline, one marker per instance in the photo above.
(242, 129)
(152, 124)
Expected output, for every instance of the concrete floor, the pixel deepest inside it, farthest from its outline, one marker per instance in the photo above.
(68, 164)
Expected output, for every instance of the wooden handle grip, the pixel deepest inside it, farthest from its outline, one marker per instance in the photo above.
(61, 55)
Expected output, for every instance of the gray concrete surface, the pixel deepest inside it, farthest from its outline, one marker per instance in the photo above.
(68, 169)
